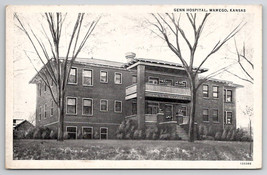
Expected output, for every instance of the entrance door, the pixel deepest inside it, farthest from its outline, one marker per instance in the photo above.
(169, 112)
(103, 133)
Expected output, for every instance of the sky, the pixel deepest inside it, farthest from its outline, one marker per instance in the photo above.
(118, 33)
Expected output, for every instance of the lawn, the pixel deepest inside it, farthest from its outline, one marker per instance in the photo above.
(129, 150)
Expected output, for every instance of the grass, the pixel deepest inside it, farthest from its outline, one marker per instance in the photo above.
(129, 150)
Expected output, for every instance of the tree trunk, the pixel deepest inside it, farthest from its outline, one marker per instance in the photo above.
(61, 110)
(192, 114)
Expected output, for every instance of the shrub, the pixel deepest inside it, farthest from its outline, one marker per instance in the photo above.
(165, 136)
(29, 133)
(18, 134)
(229, 135)
(209, 138)
(119, 136)
(141, 135)
(239, 134)
(45, 134)
(224, 134)
(218, 135)
(96, 135)
(79, 134)
(233, 136)
(155, 136)
(66, 135)
(211, 131)
(37, 134)
(149, 133)
(136, 134)
(53, 135)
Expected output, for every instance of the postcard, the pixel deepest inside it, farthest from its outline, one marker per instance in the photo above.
(134, 87)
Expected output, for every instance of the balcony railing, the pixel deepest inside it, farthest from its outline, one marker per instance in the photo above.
(160, 91)
(168, 89)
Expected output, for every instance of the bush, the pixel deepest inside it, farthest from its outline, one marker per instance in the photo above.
(79, 134)
(53, 135)
(239, 134)
(136, 134)
(37, 134)
(18, 134)
(209, 138)
(218, 135)
(141, 135)
(211, 131)
(229, 135)
(66, 135)
(149, 133)
(155, 136)
(233, 136)
(96, 135)
(224, 134)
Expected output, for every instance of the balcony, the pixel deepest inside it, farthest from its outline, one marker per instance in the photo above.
(154, 91)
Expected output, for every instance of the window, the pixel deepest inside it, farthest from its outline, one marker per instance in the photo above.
(168, 82)
(87, 132)
(73, 76)
(215, 91)
(40, 113)
(103, 105)
(152, 108)
(184, 110)
(228, 117)
(215, 115)
(228, 95)
(205, 90)
(87, 77)
(45, 107)
(118, 106)
(40, 89)
(134, 108)
(88, 107)
(72, 132)
(103, 133)
(71, 105)
(52, 109)
(134, 79)
(152, 80)
(118, 78)
(205, 115)
(103, 77)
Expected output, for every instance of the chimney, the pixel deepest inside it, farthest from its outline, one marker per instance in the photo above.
(130, 56)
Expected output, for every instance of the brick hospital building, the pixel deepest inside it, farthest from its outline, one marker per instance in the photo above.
(101, 94)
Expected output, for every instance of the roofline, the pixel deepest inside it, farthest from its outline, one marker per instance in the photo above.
(229, 83)
(136, 61)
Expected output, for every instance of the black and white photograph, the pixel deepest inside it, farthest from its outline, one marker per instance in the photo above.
(134, 86)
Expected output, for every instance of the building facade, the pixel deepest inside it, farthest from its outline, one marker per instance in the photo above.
(101, 94)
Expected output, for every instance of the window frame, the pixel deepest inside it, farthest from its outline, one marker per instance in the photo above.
(76, 75)
(205, 91)
(92, 107)
(225, 95)
(226, 116)
(92, 75)
(185, 110)
(52, 109)
(207, 115)
(91, 133)
(115, 106)
(215, 121)
(216, 92)
(132, 79)
(100, 105)
(100, 76)
(76, 102)
(40, 113)
(101, 133)
(115, 77)
(76, 133)
(45, 109)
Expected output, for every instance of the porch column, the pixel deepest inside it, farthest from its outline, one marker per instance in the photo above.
(141, 96)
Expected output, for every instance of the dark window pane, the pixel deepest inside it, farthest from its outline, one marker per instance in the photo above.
(73, 76)
(103, 77)
(87, 77)
(118, 79)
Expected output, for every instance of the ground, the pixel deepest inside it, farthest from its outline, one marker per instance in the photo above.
(130, 150)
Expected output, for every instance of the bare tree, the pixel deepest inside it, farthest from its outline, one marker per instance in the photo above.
(167, 26)
(245, 65)
(55, 71)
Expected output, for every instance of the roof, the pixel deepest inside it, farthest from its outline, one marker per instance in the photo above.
(21, 123)
(160, 62)
(228, 83)
(99, 62)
